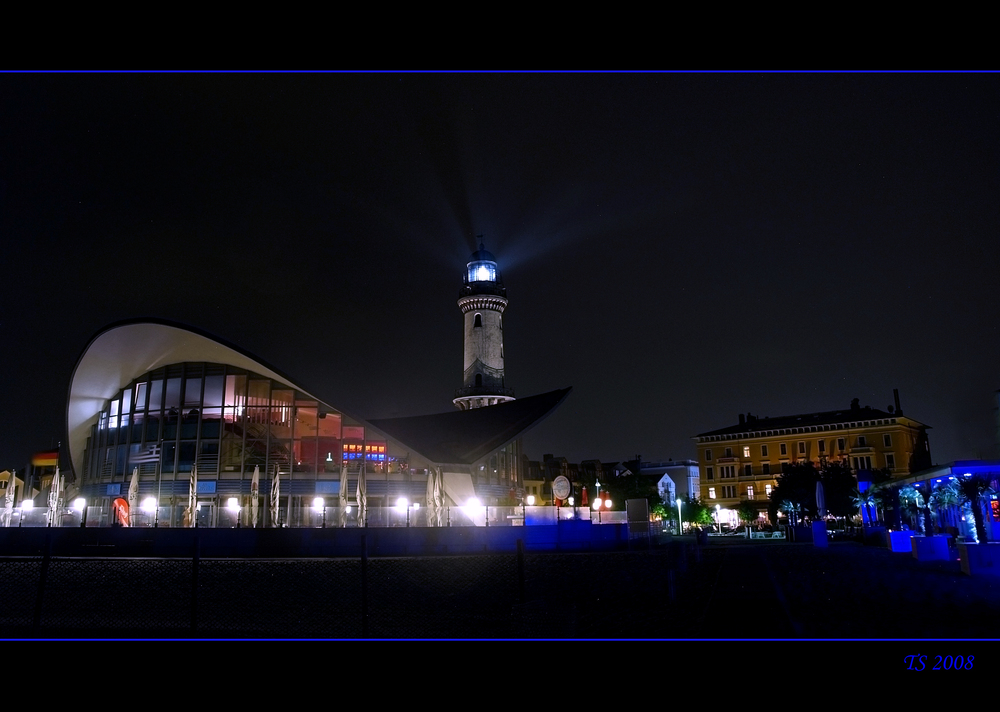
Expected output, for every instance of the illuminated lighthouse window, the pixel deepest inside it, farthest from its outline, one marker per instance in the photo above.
(482, 272)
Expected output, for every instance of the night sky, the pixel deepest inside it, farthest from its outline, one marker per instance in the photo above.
(678, 248)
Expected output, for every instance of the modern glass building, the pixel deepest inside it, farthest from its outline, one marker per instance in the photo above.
(166, 401)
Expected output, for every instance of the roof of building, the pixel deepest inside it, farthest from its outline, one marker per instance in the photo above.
(465, 436)
(482, 255)
(123, 351)
(754, 424)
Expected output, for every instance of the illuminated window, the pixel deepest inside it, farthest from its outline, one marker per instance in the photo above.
(746, 451)
(711, 492)
(749, 491)
(767, 490)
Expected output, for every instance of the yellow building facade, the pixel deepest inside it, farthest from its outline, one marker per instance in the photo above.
(742, 462)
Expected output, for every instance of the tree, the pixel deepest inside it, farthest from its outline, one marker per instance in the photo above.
(747, 512)
(971, 490)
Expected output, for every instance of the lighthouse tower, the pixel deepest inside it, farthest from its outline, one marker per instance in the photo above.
(482, 300)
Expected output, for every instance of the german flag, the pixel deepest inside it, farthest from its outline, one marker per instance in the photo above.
(47, 458)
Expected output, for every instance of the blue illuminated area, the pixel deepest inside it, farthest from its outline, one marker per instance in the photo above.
(482, 272)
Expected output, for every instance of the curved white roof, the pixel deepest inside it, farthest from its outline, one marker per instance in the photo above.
(122, 353)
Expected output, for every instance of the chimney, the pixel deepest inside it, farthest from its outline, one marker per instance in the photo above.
(742, 419)
(895, 395)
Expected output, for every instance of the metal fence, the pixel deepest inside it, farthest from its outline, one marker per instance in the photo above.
(306, 517)
(484, 596)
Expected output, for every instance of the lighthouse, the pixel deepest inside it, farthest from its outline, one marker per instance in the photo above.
(483, 299)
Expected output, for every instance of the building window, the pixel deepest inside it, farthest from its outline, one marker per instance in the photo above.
(767, 490)
(746, 451)
(784, 449)
(890, 461)
(862, 442)
(822, 446)
(708, 456)
(729, 452)
(840, 444)
(763, 450)
(766, 468)
(863, 463)
(711, 492)
(709, 473)
(887, 440)
(727, 472)
(749, 491)
(748, 470)
(729, 492)
(802, 448)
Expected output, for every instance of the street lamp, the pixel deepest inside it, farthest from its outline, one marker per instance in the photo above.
(80, 505)
(233, 505)
(680, 524)
(403, 505)
(319, 505)
(718, 516)
(149, 507)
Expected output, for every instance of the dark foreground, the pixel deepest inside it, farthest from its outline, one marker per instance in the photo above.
(759, 590)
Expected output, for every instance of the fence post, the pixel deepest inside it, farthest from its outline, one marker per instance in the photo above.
(364, 585)
(520, 571)
(37, 620)
(194, 583)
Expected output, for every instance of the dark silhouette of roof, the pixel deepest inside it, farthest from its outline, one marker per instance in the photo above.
(755, 424)
(466, 436)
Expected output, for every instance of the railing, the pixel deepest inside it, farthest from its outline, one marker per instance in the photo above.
(309, 517)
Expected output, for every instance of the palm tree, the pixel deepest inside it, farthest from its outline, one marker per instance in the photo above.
(943, 497)
(971, 490)
(864, 499)
(909, 506)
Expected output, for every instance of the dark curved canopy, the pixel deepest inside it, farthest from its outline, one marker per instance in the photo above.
(466, 436)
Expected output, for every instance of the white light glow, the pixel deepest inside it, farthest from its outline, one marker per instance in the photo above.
(27, 504)
(149, 505)
(319, 504)
(79, 504)
(531, 500)
(233, 504)
(401, 504)
(597, 504)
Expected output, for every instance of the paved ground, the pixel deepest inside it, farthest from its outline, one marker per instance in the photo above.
(727, 589)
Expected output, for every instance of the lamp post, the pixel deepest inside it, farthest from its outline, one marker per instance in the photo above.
(233, 505)
(718, 516)
(680, 524)
(319, 505)
(80, 505)
(149, 507)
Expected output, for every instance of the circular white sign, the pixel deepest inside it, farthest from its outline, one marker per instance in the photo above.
(561, 487)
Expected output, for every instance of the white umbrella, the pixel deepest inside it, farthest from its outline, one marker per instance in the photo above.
(435, 500)
(362, 494)
(820, 499)
(193, 497)
(274, 497)
(343, 494)
(8, 505)
(254, 491)
(133, 495)
(54, 497)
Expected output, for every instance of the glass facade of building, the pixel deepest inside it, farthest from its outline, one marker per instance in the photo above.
(227, 422)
